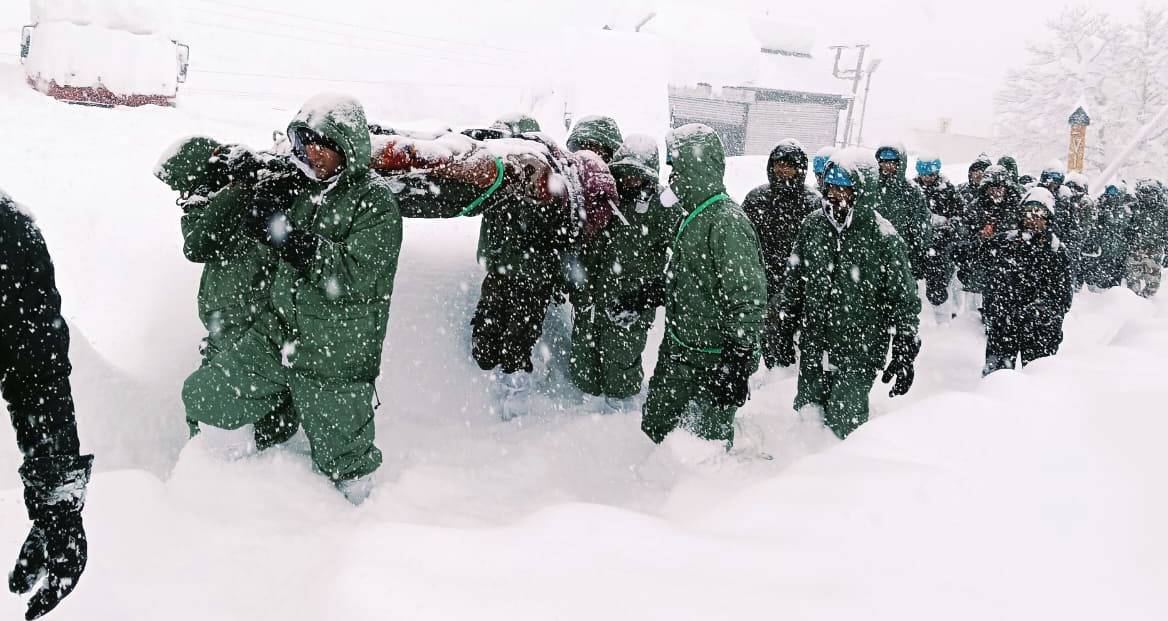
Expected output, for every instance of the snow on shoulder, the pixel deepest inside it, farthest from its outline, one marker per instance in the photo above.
(887, 229)
(5, 199)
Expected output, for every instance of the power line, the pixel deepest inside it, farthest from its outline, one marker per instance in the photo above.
(346, 35)
(350, 25)
(335, 44)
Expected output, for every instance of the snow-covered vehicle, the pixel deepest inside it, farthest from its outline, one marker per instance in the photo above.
(107, 53)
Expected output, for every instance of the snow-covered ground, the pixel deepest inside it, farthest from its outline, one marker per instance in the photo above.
(1029, 495)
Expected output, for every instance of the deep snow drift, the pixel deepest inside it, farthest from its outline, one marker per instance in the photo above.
(1030, 495)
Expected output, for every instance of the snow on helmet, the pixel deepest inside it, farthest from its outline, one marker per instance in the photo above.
(1077, 182)
(982, 162)
(996, 175)
(1041, 197)
(1052, 174)
(837, 175)
(887, 154)
(822, 156)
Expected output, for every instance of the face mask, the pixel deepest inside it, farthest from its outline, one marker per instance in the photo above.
(669, 198)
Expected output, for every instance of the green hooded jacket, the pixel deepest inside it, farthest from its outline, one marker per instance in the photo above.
(1146, 231)
(335, 313)
(903, 204)
(235, 286)
(715, 284)
(602, 130)
(848, 291)
(632, 252)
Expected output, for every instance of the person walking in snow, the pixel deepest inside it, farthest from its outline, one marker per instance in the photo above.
(611, 320)
(526, 246)
(215, 184)
(1105, 252)
(974, 175)
(522, 254)
(714, 295)
(849, 292)
(1146, 238)
(776, 209)
(1065, 225)
(948, 209)
(320, 347)
(1029, 287)
(903, 204)
(1083, 213)
(34, 381)
(992, 212)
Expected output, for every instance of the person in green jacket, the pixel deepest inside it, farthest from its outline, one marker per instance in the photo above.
(1146, 238)
(522, 256)
(903, 204)
(849, 288)
(607, 337)
(715, 298)
(598, 134)
(235, 286)
(320, 346)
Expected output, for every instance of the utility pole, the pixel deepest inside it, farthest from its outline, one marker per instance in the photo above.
(872, 67)
(850, 74)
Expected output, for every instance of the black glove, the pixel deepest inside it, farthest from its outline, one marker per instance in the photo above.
(647, 297)
(240, 163)
(905, 348)
(729, 385)
(56, 549)
(275, 192)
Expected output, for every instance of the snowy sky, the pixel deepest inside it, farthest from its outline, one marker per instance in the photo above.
(940, 59)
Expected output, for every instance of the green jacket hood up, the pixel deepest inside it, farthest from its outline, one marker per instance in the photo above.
(340, 119)
(601, 129)
(698, 160)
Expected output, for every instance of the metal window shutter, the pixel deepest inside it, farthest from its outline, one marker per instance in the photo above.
(814, 125)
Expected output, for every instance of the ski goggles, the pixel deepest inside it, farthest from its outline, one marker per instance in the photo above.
(836, 175)
(887, 154)
(928, 168)
(303, 137)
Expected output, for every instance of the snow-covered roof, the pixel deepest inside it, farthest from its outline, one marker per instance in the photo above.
(133, 16)
(726, 48)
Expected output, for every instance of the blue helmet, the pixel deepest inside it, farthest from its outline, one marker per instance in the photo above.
(836, 175)
(929, 167)
(887, 154)
(819, 164)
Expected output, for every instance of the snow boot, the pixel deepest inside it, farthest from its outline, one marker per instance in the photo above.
(516, 394)
(356, 490)
(229, 444)
(613, 405)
